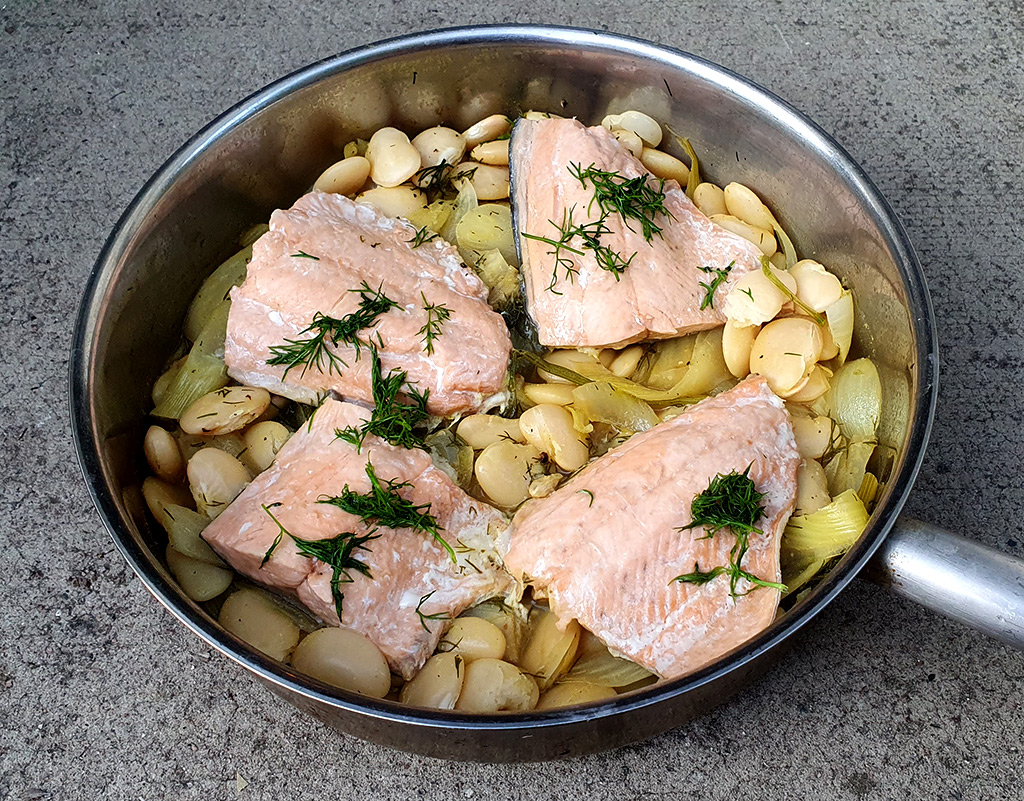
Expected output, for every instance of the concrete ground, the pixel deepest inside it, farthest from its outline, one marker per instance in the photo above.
(104, 695)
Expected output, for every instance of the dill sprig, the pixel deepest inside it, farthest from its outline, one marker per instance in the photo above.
(383, 507)
(338, 552)
(720, 275)
(280, 532)
(424, 617)
(733, 502)
(766, 268)
(391, 419)
(303, 255)
(438, 181)
(437, 315)
(314, 352)
(422, 236)
(630, 198)
(589, 236)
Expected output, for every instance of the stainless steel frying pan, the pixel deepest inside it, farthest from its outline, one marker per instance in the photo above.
(264, 152)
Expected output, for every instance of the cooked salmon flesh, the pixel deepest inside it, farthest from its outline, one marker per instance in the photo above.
(414, 588)
(572, 299)
(607, 545)
(312, 263)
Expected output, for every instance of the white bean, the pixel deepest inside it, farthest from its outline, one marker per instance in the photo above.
(158, 494)
(811, 487)
(480, 430)
(764, 239)
(254, 618)
(541, 115)
(813, 435)
(785, 352)
(645, 127)
(492, 685)
(813, 387)
(737, 340)
(495, 152)
(262, 443)
(629, 140)
(439, 144)
(665, 165)
(570, 693)
(215, 478)
(816, 286)
(566, 358)
(550, 651)
(475, 638)
(503, 472)
(627, 360)
(489, 181)
(344, 658)
(394, 201)
(710, 199)
(550, 430)
(487, 129)
(198, 580)
(742, 203)
(558, 394)
(224, 410)
(754, 299)
(163, 454)
(438, 683)
(345, 177)
(393, 159)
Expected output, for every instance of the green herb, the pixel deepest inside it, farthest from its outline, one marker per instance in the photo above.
(437, 316)
(720, 275)
(436, 616)
(391, 420)
(281, 532)
(587, 492)
(338, 552)
(423, 235)
(748, 293)
(589, 236)
(733, 502)
(313, 352)
(383, 506)
(630, 198)
(303, 255)
(766, 268)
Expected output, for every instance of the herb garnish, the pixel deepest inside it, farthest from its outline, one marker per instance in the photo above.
(313, 352)
(423, 235)
(337, 552)
(587, 492)
(281, 532)
(717, 281)
(436, 616)
(730, 501)
(437, 316)
(589, 236)
(766, 268)
(383, 506)
(391, 420)
(303, 255)
(630, 198)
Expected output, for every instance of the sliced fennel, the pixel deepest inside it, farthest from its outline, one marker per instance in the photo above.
(855, 399)
(465, 202)
(600, 402)
(434, 217)
(846, 470)
(694, 180)
(840, 316)
(786, 242)
(502, 279)
(605, 670)
(214, 291)
(203, 370)
(809, 541)
(198, 580)
(184, 527)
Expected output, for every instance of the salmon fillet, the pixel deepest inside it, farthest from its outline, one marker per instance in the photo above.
(606, 545)
(659, 294)
(319, 250)
(405, 564)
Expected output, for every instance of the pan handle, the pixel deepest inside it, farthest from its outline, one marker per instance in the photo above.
(954, 576)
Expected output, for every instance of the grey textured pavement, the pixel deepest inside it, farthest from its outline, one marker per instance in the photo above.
(104, 695)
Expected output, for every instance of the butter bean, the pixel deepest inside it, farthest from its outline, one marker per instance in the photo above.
(438, 684)
(625, 363)
(163, 454)
(754, 299)
(395, 201)
(491, 152)
(344, 658)
(475, 638)
(492, 685)
(785, 351)
(665, 165)
(816, 286)
(489, 181)
(550, 651)
(215, 478)
(737, 340)
(254, 618)
(558, 394)
(480, 430)
(643, 126)
(503, 472)
(571, 693)
(813, 435)
(629, 140)
(764, 239)
(811, 487)
(710, 199)
(439, 144)
(487, 129)
(549, 429)
(393, 159)
(345, 177)
(262, 443)
(743, 203)
(224, 410)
